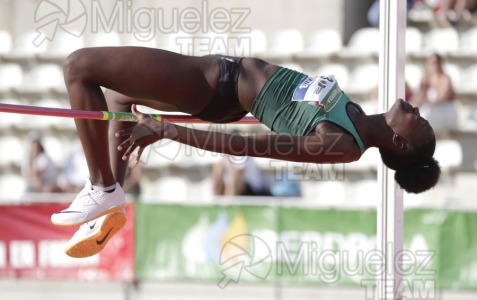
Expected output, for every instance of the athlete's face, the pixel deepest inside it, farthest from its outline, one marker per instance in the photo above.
(405, 121)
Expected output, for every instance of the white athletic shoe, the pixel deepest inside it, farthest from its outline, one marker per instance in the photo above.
(91, 237)
(89, 205)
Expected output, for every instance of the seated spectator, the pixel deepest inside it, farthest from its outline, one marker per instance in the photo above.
(457, 9)
(75, 171)
(452, 12)
(435, 97)
(39, 169)
(286, 185)
(239, 177)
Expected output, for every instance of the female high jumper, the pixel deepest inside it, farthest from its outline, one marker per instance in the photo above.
(312, 118)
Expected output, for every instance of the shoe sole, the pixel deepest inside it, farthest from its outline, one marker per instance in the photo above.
(94, 244)
(106, 212)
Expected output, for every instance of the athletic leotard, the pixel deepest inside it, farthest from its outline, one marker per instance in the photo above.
(225, 107)
(293, 103)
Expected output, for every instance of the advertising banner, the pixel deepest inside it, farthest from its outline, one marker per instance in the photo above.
(256, 244)
(267, 244)
(231, 244)
(32, 247)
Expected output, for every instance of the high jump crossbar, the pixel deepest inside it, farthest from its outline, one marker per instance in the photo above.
(104, 115)
(390, 211)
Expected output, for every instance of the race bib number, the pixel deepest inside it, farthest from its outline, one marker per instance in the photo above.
(322, 92)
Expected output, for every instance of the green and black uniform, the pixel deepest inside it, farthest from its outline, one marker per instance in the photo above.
(293, 103)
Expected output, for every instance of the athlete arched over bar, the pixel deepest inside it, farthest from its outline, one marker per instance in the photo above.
(314, 121)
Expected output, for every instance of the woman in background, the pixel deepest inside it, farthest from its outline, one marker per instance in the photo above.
(435, 97)
(39, 169)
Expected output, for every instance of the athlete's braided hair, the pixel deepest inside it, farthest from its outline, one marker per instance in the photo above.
(417, 171)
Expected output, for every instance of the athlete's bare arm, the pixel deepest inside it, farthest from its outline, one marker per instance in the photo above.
(317, 148)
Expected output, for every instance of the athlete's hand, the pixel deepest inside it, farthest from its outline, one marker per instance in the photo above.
(146, 132)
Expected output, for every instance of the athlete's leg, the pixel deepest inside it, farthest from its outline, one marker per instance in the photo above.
(118, 165)
(140, 73)
(84, 241)
(117, 102)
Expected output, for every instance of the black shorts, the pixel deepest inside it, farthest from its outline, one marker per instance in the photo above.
(225, 107)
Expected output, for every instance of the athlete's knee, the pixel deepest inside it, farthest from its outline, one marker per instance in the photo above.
(76, 66)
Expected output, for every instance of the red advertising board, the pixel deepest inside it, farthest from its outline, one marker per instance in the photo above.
(31, 247)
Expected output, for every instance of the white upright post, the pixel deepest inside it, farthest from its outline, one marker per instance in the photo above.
(392, 59)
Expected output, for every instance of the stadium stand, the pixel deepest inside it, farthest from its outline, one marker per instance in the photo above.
(33, 75)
